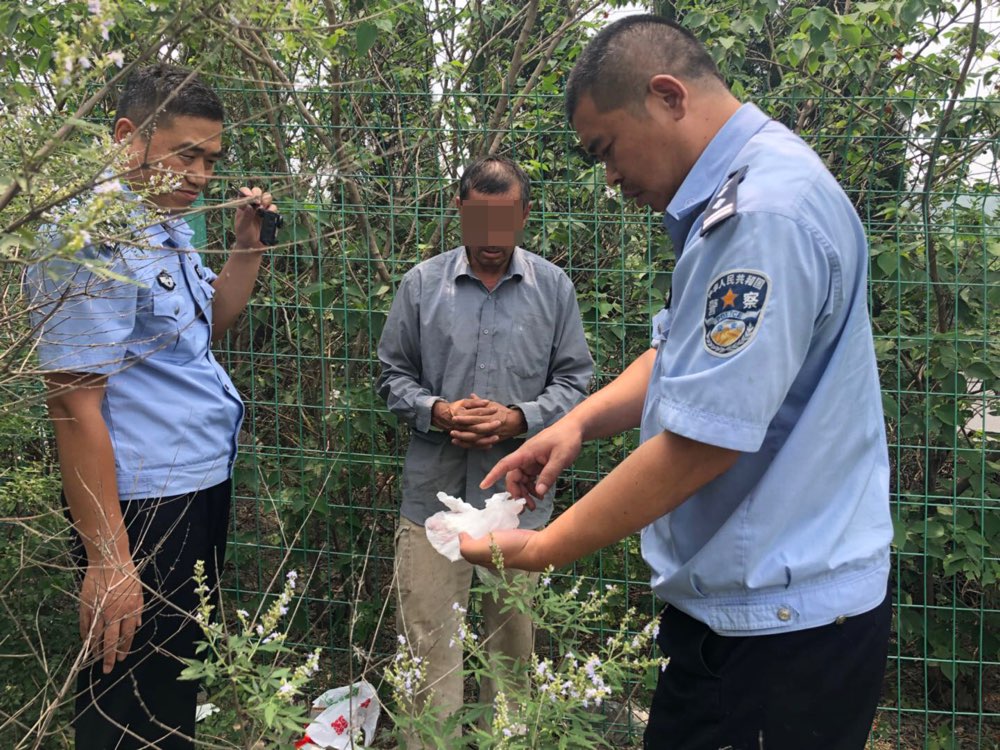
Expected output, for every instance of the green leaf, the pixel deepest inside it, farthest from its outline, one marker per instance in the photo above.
(798, 49)
(365, 37)
(980, 371)
(888, 264)
(851, 33)
(694, 19)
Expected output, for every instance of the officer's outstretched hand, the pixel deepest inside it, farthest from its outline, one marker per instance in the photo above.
(110, 609)
(534, 467)
(247, 222)
(518, 547)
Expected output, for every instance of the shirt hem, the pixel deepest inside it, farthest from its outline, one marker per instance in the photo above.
(145, 485)
(799, 608)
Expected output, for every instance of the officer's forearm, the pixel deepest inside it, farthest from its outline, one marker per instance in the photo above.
(87, 463)
(617, 407)
(233, 288)
(654, 480)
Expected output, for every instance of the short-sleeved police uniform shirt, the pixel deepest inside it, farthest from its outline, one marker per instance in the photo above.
(172, 412)
(766, 348)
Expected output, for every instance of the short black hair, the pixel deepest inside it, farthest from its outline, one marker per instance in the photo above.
(155, 94)
(493, 175)
(615, 67)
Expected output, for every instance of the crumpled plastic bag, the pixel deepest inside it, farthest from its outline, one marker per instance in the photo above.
(347, 712)
(443, 528)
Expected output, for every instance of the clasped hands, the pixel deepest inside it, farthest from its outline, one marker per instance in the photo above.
(476, 423)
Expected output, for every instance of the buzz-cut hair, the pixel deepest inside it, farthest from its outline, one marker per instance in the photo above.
(153, 95)
(615, 67)
(494, 175)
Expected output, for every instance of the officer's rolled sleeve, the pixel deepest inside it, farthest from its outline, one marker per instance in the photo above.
(570, 369)
(729, 398)
(399, 353)
(83, 311)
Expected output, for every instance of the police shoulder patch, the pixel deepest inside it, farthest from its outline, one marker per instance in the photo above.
(734, 310)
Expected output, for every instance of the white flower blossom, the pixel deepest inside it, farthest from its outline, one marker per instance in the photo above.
(108, 186)
(94, 6)
(117, 57)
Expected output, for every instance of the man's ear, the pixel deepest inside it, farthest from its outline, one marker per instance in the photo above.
(527, 210)
(458, 202)
(124, 129)
(671, 93)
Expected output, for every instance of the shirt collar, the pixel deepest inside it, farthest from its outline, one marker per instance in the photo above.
(710, 170)
(170, 231)
(178, 230)
(460, 265)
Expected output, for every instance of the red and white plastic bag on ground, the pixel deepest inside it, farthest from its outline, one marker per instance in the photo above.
(347, 713)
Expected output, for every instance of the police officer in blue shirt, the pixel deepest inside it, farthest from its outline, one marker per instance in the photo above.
(145, 418)
(761, 485)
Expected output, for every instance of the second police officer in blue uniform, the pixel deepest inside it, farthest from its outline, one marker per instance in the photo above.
(761, 484)
(145, 418)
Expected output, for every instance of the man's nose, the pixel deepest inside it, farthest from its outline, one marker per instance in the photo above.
(198, 175)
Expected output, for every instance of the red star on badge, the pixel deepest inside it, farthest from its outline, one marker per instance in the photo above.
(729, 299)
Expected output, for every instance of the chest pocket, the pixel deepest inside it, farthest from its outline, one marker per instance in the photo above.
(530, 346)
(161, 328)
(204, 293)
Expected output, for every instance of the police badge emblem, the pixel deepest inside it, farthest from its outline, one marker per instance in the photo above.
(165, 280)
(733, 312)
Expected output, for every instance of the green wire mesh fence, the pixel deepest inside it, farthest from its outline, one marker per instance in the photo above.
(367, 189)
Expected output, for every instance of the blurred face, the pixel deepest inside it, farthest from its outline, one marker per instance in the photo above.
(643, 151)
(183, 149)
(492, 226)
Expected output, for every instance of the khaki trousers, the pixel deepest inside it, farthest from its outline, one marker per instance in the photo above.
(427, 587)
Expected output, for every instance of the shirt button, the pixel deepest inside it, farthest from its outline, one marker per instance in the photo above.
(486, 330)
(226, 386)
(482, 367)
(784, 614)
(177, 309)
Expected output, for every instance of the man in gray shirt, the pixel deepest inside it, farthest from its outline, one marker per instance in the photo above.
(483, 347)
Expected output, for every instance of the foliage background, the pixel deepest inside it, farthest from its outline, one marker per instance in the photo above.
(359, 116)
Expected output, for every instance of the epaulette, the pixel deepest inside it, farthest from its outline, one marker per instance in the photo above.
(724, 204)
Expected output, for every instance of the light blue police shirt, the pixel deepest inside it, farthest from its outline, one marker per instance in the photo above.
(767, 349)
(171, 410)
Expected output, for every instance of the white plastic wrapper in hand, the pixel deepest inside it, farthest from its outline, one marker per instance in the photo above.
(443, 528)
(347, 713)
